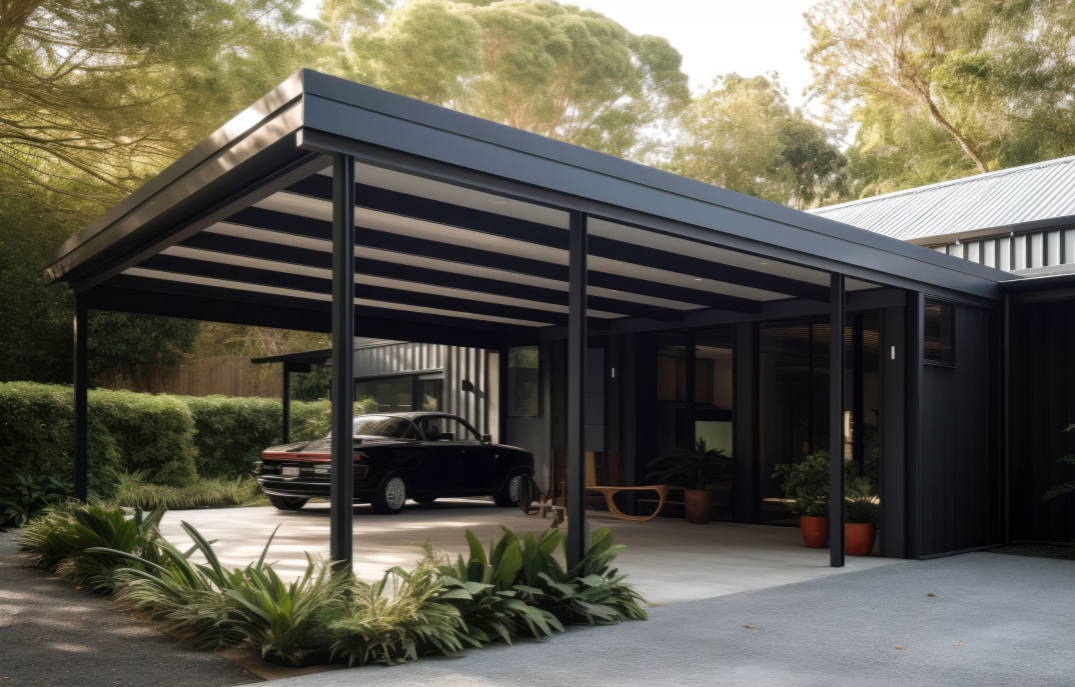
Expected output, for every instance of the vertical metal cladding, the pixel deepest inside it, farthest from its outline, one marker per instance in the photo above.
(466, 373)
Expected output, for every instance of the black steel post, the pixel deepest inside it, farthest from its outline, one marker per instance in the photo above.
(858, 402)
(1006, 424)
(81, 457)
(286, 399)
(690, 389)
(577, 529)
(836, 421)
(341, 515)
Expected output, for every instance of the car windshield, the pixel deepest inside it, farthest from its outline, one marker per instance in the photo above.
(383, 426)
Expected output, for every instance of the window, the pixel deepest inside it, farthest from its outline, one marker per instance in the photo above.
(524, 382)
(939, 330)
(430, 391)
(436, 429)
(382, 426)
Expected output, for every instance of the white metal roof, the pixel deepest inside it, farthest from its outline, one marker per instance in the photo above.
(997, 200)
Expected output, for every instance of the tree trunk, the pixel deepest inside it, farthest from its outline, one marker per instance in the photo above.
(935, 112)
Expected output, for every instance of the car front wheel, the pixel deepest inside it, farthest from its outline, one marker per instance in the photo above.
(509, 495)
(390, 496)
(287, 502)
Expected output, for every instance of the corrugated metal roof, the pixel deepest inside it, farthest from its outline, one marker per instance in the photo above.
(999, 199)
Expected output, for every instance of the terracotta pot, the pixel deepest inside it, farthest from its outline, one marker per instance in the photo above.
(699, 505)
(858, 538)
(815, 531)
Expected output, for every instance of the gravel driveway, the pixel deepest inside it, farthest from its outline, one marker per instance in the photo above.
(53, 635)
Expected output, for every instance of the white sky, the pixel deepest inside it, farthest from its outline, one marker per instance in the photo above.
(716, 37)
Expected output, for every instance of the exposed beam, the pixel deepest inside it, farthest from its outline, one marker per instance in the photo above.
(438, 250)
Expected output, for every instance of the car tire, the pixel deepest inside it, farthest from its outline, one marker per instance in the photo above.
(509, 495)
(423, 499)
(287, 502)
(391, 495)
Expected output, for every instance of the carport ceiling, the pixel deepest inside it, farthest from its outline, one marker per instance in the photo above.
(428, 247)
(462, 227)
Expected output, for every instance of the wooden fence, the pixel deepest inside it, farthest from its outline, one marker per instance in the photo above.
(226, 375)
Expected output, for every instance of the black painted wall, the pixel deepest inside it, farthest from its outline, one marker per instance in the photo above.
(959, 448)
(1042, 405)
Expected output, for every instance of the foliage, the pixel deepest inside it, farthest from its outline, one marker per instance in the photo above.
(132, 491)
(28, 495)
(317, 419)
(367, 625)
(807, 484)
(232, 432)
(557, 70)
(693, 467)
(1064, 487)
(741, 134)
(860, 501)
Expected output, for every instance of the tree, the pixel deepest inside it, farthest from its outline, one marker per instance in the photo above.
(741, 134)
(536, 65)
(95, 97)
(896, 50)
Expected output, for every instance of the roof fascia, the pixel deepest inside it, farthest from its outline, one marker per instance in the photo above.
(333, 106)
(999, 231)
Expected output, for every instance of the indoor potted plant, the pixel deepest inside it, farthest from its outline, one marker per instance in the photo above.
(860, 517)
(692, 468)
(806, 484)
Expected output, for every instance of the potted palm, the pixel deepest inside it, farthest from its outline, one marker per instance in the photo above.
(860, 517)
(692, 468)
(806, 485)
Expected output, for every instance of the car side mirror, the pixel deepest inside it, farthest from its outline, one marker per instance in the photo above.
(446, 436)
(487, 438)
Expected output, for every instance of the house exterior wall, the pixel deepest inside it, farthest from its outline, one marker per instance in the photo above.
(1023, 251)
(1042, 383)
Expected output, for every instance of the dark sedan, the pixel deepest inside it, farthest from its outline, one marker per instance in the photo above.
(399, 456)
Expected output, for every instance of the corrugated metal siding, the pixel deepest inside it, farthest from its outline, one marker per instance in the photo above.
(1042, 405)
(468, 365)
(958, 478)
(998, 199)
(400, 357)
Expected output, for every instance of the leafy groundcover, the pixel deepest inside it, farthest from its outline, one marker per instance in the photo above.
(514, 588)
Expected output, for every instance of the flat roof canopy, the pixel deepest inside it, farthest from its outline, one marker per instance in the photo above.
(461, 231)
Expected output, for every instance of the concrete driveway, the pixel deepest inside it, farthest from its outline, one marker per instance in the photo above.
(995, 620)
(668, 560)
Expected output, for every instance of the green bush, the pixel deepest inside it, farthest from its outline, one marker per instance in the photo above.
(232, 432)
(151, 433)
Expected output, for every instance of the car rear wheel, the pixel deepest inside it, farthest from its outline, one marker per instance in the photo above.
(390, 496)
(287, 502)
(509, 495)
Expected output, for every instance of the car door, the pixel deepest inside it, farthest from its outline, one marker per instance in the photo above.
(439, 472)
(479, 472)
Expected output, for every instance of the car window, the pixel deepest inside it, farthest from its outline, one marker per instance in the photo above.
(384, 426)
(435, 428)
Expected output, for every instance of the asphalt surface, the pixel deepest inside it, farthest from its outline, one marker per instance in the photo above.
(54, 635)
(994, 620)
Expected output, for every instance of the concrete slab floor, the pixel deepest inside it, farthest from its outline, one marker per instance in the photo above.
(669, 561)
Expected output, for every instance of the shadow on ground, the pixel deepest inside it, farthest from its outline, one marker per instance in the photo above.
(54, 635)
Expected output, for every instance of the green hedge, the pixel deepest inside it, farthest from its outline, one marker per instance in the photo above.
(127, 431)
(178, 438)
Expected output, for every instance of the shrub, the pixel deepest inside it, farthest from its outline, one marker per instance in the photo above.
(232, 432)
(151, 433)
(28, 495)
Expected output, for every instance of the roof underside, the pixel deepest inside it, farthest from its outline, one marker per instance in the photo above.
(461, 226)
(1002, 201)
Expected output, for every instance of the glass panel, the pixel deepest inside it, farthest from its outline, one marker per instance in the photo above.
(940, 332)
(437, 428)
(393, 394)
(524, 381)
(430, 394)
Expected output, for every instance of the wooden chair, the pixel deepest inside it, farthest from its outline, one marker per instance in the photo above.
(609, 492)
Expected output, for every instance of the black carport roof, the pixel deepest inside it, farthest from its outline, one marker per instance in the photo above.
(462, 231)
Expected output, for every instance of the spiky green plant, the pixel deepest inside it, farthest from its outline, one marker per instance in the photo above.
(400, 617)
(482, 589)
(692, 467)
(27, 496)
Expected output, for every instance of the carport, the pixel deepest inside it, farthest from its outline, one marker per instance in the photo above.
(334, 207)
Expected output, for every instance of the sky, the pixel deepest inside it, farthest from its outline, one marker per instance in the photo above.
(716, 37)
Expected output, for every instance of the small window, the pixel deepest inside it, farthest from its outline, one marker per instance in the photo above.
(940, 333)
(524, 382)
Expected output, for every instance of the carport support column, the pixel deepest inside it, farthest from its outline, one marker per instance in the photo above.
(81, 379)
(286, 399)
(341, 515)
(837, 318)
(577, 529)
